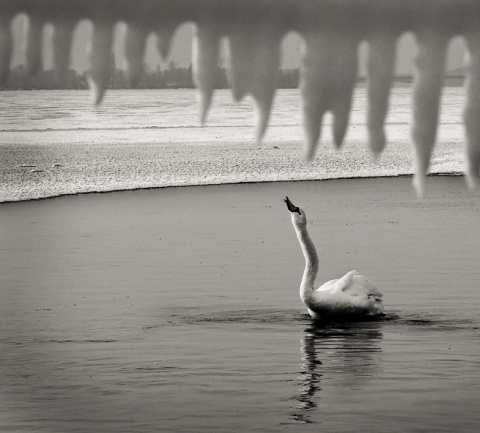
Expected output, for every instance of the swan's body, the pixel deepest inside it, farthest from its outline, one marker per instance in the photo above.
(349, 297)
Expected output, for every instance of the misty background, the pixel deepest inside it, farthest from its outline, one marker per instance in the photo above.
(181, 50)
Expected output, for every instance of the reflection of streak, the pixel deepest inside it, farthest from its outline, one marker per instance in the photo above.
(347, 350)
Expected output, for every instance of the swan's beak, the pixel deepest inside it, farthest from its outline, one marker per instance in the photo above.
(291, 206)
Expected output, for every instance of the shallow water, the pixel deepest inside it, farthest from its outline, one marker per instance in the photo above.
(54, 143)
(164, 116)
(177, 310)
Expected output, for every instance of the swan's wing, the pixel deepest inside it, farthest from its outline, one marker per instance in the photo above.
(343, 283)
(355, 284)
(329, 286)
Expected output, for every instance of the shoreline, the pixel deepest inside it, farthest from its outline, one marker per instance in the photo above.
(148, 188)
(33, 172)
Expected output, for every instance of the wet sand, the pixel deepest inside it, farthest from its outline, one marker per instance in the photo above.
(178, 308)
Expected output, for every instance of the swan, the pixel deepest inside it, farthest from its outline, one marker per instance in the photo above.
(350, 297)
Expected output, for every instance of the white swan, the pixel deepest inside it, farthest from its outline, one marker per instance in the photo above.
(349, 297)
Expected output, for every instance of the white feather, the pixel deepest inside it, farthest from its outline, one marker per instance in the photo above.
(349, 297)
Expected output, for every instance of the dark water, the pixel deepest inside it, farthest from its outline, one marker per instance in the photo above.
(177, 310)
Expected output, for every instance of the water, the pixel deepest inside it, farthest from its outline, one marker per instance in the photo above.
(177, 310)
(152, 116)
(54, 143)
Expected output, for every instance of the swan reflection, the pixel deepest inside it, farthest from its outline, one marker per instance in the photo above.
(344, 354)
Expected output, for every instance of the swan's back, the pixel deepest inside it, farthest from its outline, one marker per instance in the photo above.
(360, 285)
(351, 296)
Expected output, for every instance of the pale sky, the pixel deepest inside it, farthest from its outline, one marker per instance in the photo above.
(181, 49)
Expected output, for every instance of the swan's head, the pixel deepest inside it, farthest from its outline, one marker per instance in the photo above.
(299, 219)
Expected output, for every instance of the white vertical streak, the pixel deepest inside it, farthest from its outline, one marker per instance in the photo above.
(101, 59)
(61, 44)
(264, 80)
(134, 52)
(205, 53)
(430, 65)
(315, 89)
(254, 63)
(472, 111)
(33, 45)
(380, 72)
(164, 37)
(5, 48)
(329, 68)
(344, 75)
(241, 45)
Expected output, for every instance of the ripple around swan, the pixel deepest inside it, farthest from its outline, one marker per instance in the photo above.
(266, 316)
(77, 341)
(296, 316)
(431, 321)
(246, 316)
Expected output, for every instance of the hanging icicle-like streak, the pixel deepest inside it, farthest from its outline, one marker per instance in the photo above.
(380, 72)
(205, 55)
(33, 45)
(254, 64)
(472, 110)
(426, 100)
(328, 77)
(134, 52)
(331, 31)
(5, 47)
(101, 59)
(61, 44)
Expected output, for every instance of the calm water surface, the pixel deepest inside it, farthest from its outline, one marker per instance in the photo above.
(177, 310)
(153, 116)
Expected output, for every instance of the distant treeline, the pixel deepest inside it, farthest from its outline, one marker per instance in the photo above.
(172, 77)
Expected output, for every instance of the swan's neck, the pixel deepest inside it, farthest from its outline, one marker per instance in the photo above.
(311, 262)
